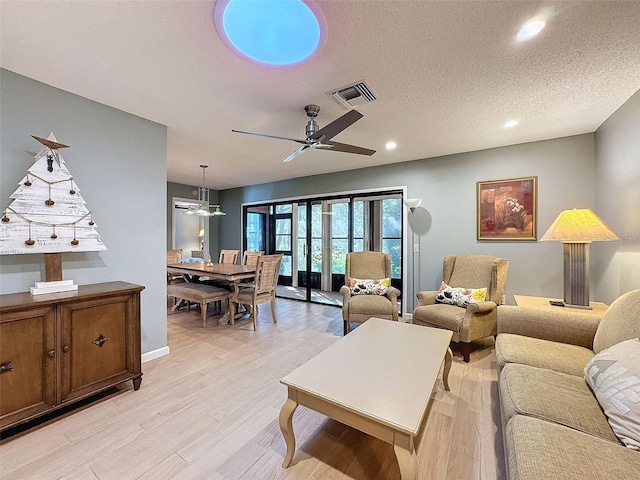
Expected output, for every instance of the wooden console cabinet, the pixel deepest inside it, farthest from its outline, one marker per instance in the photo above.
(59, 348)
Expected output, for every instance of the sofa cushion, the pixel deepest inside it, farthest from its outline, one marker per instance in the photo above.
(537, 450)
(560, 357)
(620, 322)
(553, 396)
(441, 315)
(614, 376)
(373, 305)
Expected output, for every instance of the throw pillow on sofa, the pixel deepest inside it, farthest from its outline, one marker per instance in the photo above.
(460, 296)
(614, 376)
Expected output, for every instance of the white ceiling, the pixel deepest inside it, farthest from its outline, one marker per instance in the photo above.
(447, 76)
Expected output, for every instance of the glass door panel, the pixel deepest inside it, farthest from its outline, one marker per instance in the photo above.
(316, 244)
(255, 232)
(359, 228)
(392, 233)
(391, 212)
(283, 241)
(339, 243)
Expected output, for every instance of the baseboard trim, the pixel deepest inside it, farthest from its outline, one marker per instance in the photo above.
(153, 354)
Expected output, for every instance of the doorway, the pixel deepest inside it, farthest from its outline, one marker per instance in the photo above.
(190, 232)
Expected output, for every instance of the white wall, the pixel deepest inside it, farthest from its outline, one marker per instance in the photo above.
(616, 266)
(119, 162)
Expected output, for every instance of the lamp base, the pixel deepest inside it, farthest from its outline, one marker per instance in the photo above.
(583, 307)
(576, 275)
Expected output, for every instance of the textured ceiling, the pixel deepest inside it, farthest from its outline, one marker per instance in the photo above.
(447, 76)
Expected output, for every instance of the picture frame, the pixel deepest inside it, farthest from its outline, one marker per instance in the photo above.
(507, 210)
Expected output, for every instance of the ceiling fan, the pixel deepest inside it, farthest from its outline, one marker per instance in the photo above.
(321, 138)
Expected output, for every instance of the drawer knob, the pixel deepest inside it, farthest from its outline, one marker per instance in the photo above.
(52, 353)
(100, 341)
(6, 367)
(65, 349)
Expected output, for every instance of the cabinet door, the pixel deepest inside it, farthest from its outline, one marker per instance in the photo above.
(96, 345)
(27, 364)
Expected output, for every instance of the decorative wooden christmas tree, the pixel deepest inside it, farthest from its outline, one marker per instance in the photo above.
(48, 215)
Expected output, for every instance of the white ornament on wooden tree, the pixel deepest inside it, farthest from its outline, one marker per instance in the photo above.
(48, 213)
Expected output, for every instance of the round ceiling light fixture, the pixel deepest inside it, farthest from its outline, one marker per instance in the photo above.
(530, 29)
(271, 32)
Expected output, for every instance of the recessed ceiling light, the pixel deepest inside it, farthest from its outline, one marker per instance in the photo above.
(530, 29)
(271, 32)
(390, 145)
(510, 124)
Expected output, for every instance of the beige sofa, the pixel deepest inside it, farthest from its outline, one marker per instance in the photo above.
(553, 425)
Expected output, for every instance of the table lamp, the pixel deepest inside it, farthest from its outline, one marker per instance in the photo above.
(577, 228)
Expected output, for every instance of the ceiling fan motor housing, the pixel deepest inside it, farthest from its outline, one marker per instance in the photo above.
(312, 112)
(312, 127)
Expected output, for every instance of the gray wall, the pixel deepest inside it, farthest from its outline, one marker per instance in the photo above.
(186, 191)
(446, 221)
(119, 161)
(616, 266)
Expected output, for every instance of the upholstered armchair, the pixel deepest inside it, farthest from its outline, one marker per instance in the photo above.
(476, 320)
(359, 308)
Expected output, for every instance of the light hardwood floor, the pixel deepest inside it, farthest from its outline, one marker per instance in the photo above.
(209, 410)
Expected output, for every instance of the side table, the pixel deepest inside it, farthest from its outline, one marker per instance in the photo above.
(597, 308)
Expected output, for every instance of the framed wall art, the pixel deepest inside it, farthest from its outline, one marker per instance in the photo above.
(507, 209)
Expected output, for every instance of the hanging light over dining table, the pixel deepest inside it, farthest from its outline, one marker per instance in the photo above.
(203, 207)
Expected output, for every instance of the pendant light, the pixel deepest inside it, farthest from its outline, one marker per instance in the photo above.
(202, 209)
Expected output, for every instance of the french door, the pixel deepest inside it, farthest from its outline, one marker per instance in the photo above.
(315, 235)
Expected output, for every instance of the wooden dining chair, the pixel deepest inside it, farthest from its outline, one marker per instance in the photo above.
(228, 256)
(250, 258)
(174, 256)
(262, 290)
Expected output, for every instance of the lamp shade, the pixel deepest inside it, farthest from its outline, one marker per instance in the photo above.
(412, 202)
(578, 226)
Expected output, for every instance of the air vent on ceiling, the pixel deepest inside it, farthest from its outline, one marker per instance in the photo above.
(352, 95)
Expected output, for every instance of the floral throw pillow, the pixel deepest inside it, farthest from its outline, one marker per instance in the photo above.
(460, 296)
(369, 287)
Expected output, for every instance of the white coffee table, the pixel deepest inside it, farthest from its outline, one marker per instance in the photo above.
(377, 379)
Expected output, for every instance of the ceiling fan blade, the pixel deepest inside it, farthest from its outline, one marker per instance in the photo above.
(295, 153)
(331, 130)
(343, 147)
(304, 142)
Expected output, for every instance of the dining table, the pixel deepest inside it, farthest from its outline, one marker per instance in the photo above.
(222, 271)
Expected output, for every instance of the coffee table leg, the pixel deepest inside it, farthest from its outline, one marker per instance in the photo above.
(448, 359)
(407, 459)
(286, 425)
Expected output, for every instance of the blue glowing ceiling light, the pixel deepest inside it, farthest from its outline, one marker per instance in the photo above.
(273, 32)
